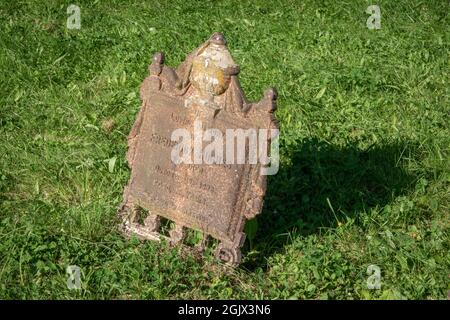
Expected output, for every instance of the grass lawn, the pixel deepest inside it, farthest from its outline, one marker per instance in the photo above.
(365, 136)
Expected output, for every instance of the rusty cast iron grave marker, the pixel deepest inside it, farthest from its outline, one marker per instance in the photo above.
(185, 164)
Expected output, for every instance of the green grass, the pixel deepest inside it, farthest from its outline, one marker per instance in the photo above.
(365, 170)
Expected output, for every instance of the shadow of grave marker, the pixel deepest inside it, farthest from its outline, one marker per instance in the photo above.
(349, 179)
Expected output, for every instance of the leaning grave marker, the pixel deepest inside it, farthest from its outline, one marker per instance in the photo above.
(207, 195)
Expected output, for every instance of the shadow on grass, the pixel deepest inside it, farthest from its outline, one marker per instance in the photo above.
(323, 179)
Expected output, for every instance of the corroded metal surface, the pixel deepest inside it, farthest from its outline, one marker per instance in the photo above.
(215, 199)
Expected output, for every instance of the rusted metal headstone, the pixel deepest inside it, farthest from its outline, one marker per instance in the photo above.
(208, 190)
